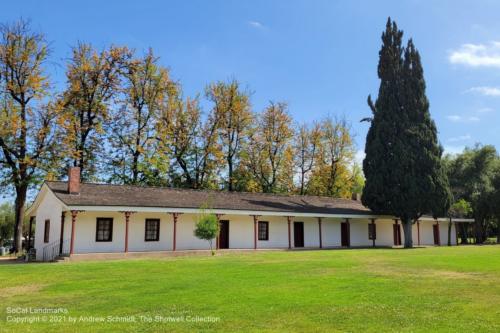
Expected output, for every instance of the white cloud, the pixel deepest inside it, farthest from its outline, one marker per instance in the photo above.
(359, 157)
(454, 118)
(459, 119)
(256, 24)
(485, 110)
(477, 55)
(486, 91)
(460, 138)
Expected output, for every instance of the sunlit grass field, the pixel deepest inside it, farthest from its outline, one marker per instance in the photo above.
(453, 289)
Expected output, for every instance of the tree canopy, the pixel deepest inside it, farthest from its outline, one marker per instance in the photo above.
(404, 175)
(475, 178)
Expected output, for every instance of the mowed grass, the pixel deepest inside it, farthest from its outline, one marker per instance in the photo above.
(453, 289)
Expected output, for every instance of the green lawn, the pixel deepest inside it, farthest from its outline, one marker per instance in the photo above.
(428, 289)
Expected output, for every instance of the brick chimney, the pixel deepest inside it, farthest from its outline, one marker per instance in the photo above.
(74, 180)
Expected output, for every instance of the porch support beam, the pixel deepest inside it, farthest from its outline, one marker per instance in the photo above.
(289, 220)
(175, 216)
(255, 227)
(320, 220)
(127, 219)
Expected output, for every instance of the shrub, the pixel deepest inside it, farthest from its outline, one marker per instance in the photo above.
(207, 228)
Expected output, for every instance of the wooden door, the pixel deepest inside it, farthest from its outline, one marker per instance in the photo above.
(435, 229)
(397, 234)
(224, 234)
(298, 234)
(344, 234)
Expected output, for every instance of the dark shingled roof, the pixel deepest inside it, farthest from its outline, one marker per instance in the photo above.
(139, 196)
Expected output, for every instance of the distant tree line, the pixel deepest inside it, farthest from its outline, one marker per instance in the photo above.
(474, 177)
(123, 119)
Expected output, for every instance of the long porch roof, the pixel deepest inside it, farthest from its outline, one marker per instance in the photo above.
(161, 197)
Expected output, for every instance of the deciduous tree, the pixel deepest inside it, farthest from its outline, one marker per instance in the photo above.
(93, 78)
(190, 141)
(231, 111)
(266, 153)
(306, 146)
(134, 154)
(459, 209)
(26, 121)
(472, 178)
(331, 175)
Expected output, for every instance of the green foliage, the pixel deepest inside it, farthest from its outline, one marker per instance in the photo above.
(358, 180)
(7, 222)
(233, 114)
(134, 154)
(207, 227)
(26, 120)
(460, 208)
(475, 177)
(404, 175)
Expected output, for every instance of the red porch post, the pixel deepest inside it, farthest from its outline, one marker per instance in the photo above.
(255, 223)
(175, 216)
(320, 236)
(396, 233)
(127, 219)
(218, 216)
(289, 219)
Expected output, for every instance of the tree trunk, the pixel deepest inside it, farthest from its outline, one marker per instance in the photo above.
(449, 233)
(230, 174)
(19, 216)
(464, 233)
(406, 222)
(302, 183)
(479, 232)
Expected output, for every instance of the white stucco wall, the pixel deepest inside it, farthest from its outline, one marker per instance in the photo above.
(330, 231)
(278, 233)
(241, 231)
(50, 208)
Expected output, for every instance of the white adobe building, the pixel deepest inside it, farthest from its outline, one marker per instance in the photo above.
(74, 218)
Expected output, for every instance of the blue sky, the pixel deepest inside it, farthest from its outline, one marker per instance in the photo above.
(319, 56)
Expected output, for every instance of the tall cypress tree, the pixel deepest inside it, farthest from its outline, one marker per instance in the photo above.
(403, 171)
